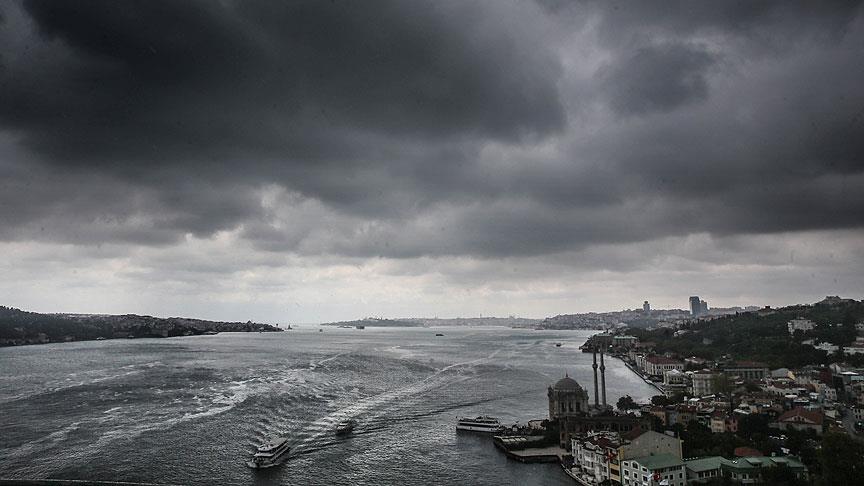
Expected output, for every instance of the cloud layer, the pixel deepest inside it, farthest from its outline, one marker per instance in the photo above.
(442, 136)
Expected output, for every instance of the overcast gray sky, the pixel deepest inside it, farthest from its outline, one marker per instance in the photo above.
(315, 161)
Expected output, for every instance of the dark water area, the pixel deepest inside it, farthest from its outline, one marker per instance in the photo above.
(192, 410)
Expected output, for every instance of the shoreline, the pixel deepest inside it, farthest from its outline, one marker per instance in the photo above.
(86, 340)
(632, 369)
(640, 375)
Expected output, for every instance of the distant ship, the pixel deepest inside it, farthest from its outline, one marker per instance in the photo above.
(345, 426)
(268, 454)
(360, 326)
(557, 345)
(439, 334)
(479, 424)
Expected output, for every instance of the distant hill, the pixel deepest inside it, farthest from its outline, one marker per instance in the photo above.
(375, 322)
(434, 321)
(763, 335)
(611, 320)
(19, 327)
(478, 321)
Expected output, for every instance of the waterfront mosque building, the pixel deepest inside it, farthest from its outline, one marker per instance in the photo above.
(569, 408)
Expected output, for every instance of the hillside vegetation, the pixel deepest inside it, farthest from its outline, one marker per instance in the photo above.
(21, 327)
(763, 336)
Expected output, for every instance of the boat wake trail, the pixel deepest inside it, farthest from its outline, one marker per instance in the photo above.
(404, 403)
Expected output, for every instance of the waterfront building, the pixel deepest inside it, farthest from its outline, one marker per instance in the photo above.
(674, 378)
(651, 470)
(703, 307)
(658, 365)
(639, 359)
(596, 455)
(800, 325)
(567, 399)
(602, 341)
(569, 407)
(624, 341)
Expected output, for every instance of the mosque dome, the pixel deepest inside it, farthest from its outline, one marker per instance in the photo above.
(567, 383)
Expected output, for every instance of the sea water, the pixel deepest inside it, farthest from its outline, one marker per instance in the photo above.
(191, 410)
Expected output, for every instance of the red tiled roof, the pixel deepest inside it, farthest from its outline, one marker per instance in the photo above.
(747, 452)
(809, 416)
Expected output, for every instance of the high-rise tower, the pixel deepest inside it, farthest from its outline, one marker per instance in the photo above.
(695, 305)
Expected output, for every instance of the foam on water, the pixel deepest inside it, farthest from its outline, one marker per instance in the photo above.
(182, 411)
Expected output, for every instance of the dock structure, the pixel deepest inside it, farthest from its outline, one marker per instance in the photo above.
(579, 478)
(518, 447)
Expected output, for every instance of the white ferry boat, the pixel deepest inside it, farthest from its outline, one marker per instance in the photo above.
(345, 426)
(479, 424)
(268, 454)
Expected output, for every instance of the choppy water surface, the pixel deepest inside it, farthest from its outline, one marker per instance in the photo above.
(192, 410)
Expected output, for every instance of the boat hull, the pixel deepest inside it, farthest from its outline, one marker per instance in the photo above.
(475, 428)
(262, 465)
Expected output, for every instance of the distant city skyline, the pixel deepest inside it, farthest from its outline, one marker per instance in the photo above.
(645, 308)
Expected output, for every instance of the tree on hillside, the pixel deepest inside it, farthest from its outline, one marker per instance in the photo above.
(698, 440)
(842, 460)
(660, 401)
(626, 403)
(780, 476)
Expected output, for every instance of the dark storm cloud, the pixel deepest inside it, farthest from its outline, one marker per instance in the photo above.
(771, 23)
(404, 129)
(165, 80)
(657, 78)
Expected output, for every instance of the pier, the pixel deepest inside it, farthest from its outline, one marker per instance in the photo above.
(518, 447)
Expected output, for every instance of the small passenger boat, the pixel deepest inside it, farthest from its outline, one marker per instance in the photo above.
(345, 426)
(268, 454)
(479, 424)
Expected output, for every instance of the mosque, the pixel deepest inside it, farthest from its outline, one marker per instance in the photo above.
(569, 408)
